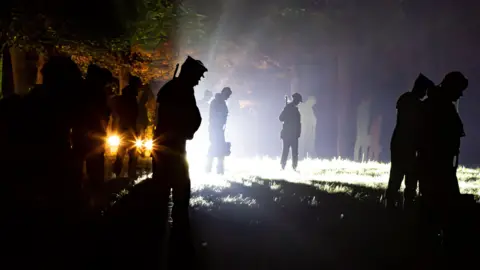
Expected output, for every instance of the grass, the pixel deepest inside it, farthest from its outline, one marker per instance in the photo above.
(332, 176)
(328, 215)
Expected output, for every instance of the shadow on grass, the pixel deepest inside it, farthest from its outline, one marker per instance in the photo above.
(274, 224)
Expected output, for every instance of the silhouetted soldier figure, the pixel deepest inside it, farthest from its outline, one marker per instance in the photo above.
(52, 114)
(291, 130)
(89, 136)
(127, 112)
(51, 117)
(143, 120)
(219, 148)
(439, 150)
(178, 118)
(404, 143)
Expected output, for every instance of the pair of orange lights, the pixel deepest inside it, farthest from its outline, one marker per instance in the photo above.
(114, 141)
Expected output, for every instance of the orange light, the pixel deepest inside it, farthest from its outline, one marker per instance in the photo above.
(113, 141)
(148, 145)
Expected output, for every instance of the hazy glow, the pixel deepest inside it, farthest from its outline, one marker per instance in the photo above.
(113, 141)
(148, 144)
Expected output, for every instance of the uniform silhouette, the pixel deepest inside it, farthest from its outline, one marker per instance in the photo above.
(219, 148)
(309, 127)
(404, 142)
(362, 143)
(291, 131)
(127, 113)
(52, 114)
(142, 120)
(90, 132)
(178, 118)
(442, 130)
(438, 154)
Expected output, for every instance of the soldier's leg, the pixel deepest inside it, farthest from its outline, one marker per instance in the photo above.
(411, 181)
(294, 145)
(220, 165)
(285, 150)
(395, 179)
(180, 195)
(132, 163)
(118, 164)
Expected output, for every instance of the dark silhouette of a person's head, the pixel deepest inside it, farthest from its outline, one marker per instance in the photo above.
(453, 85)
(98, 75)
(297, 99)
(61, 72)
(226, 93)
(192, 71)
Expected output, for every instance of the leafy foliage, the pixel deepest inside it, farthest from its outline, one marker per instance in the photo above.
(136, 34)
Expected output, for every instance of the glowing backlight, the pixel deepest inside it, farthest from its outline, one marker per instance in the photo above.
(113, 141)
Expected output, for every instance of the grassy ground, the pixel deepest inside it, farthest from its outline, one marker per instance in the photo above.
(327, 215)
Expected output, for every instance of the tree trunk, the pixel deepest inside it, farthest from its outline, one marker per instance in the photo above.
(19, 67)
(343, 99)
(40, 63)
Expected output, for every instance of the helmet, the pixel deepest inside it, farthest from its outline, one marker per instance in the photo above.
(297, 97)
(192, 65)
(422, 82)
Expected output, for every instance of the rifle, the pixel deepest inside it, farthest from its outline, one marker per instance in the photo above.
(175, 72)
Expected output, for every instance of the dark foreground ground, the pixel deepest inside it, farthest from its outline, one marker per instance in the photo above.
(299, 227)
(291, 226)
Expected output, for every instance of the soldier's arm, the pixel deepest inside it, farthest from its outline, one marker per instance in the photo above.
(195, 119)
(282, 115)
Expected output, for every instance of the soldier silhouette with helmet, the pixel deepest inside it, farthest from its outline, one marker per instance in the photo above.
(404, 143)
(178, 118)
(291, 130)
(438, 152)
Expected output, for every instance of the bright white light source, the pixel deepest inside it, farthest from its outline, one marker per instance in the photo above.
(148, 145)
(113, 141)
(138, 143)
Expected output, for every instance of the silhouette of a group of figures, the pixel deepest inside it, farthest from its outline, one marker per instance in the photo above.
(425, 148)
(48, 135)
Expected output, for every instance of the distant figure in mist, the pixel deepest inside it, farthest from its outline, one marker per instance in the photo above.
(404, 143)
(375, 135)
(127, 113)
(219, 148)
(309, 126)
(205, 101)
(291, 131)
(362, 143)
(142, 120)
(88, 138)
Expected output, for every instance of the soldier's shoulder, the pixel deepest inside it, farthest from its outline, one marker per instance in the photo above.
(167, 89)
